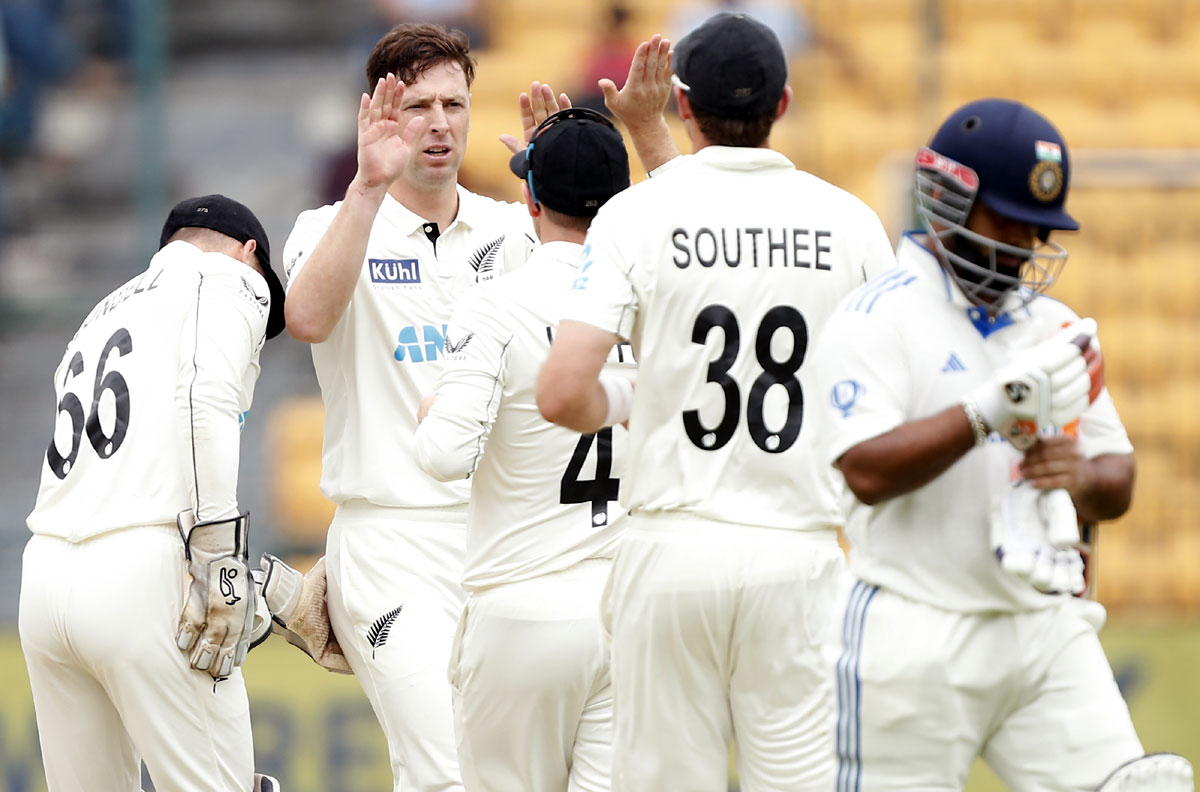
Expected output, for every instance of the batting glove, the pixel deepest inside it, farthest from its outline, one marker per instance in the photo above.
(298, 607)
(218, 615)
(1049, 385)
(1033, 533)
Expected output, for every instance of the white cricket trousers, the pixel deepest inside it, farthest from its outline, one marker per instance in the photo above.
(722, 631)
(395, 594)
(533, 697)
(923, 691)
(110, 688)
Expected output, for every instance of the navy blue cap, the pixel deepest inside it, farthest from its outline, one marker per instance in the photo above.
(235, 220)
(575, 162)
(1020, 158)
(732, 66)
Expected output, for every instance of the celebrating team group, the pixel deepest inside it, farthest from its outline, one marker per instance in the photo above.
(590, 453)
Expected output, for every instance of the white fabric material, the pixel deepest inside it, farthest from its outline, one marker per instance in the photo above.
(105, 698)
(728, 252)
(531, 510)
(719, 630)
(394, 601)
(388, 348)
(901, 348)
(182, 341)
(1030, 692)
(619, 393)
(533, 697)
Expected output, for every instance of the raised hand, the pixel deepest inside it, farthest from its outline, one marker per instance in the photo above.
(535, 107)
(384, 147)
(647, 89)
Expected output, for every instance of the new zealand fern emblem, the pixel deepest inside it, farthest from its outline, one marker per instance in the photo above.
(484, 259)
(378, 634)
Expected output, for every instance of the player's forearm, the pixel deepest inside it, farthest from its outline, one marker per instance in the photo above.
(1107, 490)
(578, 406)
(318, 297)
(653, 142)
(907, 457)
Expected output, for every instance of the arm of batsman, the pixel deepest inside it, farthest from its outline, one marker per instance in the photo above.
(300, 614)
(218, 614)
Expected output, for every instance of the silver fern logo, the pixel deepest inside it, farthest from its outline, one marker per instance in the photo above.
(483, 261)
(378, 634)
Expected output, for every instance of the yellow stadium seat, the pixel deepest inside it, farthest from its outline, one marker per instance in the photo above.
(294, 433)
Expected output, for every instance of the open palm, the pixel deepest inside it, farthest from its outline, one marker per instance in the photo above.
(384, 147)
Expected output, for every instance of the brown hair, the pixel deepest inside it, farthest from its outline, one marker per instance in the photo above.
(749, 132)
(563, 220)
(409, 49)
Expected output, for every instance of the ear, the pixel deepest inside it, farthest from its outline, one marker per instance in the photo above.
(248, 257)
(681, 101)
(785, 101)
(526, 196)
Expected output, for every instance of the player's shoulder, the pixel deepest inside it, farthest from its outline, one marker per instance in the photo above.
(892, 291)
(1044, 306)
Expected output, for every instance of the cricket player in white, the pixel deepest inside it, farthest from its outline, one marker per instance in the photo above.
(721, 270)
(960, 637)
(372, 280)
(533, 698)
(152, 392)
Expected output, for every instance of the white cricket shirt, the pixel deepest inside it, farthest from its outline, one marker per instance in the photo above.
(543, 498)
(151, 395)
(722, 270)
(386, 351)
(904, 347)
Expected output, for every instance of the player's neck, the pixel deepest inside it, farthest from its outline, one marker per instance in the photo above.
(437, 204)
(548, 232)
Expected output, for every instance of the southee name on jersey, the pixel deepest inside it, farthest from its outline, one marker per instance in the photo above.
(752, 247)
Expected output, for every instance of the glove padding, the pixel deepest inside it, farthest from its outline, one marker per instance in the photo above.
(218, 614)
(299, 611)
(1049, 385)
(1033, 534)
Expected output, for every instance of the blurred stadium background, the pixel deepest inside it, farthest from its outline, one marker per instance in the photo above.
(142, 102)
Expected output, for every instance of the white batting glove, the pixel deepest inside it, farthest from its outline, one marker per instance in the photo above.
(218, 615)
(298, 607)
(1049, 385)
(1022, 524)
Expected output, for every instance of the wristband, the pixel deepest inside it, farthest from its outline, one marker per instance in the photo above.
(619, 392)
(978, 425)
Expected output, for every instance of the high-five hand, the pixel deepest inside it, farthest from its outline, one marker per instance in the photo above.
(384, 148)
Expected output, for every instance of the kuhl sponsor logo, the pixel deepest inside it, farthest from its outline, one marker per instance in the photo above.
(397, 271)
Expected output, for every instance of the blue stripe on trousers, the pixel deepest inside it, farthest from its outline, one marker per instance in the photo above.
(849, 726)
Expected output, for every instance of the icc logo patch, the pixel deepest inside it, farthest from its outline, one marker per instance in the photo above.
(845, 394)
(398, 272)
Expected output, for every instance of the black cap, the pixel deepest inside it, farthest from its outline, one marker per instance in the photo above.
(575, 162)
(732, 66)
(1020, 158)
(233, 220)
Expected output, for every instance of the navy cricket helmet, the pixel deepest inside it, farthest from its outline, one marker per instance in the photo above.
(1011, 158)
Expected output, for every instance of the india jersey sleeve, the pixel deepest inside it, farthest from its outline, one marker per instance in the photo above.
(451, 439)
(862, 376)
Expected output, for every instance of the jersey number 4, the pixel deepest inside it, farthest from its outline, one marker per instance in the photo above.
(774, 372)
(599, 490)
(104, 445)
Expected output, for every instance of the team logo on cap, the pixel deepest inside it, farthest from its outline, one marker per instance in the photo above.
(1046, 180)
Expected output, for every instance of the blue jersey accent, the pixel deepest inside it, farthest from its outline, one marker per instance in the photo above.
(849, 724)
(984, 323)
(867, 295)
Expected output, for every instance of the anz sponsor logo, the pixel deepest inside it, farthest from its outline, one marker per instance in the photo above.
(420, 344)
(394, 272)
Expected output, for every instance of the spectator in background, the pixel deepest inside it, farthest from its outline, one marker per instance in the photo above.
(608, 59)
(39, 52)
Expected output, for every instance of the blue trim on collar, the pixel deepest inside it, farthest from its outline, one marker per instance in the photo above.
(984, 323)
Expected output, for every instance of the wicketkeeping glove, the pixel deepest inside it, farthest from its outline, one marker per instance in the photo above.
(1049, 385)
(301, 615)
(218, 615)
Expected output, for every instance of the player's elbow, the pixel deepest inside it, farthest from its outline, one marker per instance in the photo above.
(556, 401)
(305, 325)
(870, 488)
(440, 461)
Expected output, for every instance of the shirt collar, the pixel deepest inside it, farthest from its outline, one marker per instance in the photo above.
(743, 158)
(408, 222)
(912, 253)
